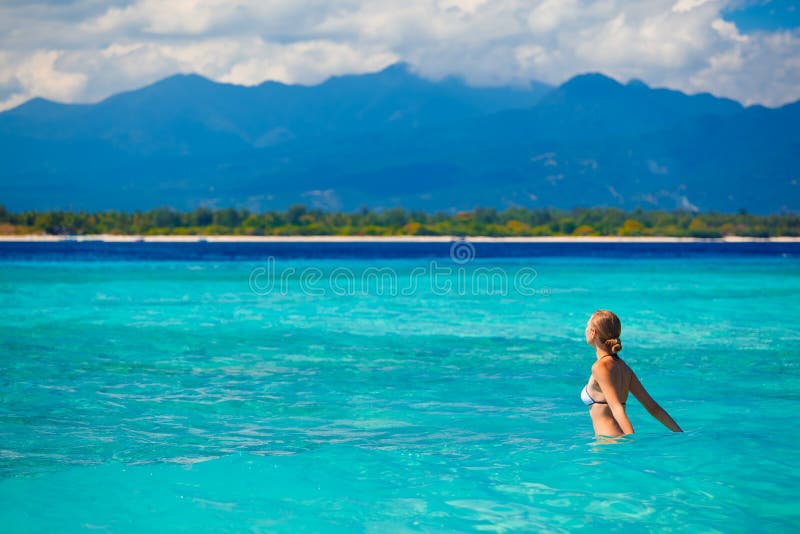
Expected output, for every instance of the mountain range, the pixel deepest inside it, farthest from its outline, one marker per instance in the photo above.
(392, 138)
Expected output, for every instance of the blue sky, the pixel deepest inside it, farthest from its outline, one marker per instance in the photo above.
(764, 16)
(86, 50)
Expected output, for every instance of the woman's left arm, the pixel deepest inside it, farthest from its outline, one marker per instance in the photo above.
(603, 376)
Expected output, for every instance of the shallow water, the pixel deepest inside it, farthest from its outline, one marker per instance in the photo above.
(142, 392)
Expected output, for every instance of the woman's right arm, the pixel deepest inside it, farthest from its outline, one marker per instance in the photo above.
(652, 406)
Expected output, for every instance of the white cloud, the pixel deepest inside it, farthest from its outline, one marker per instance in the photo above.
(85, 50)
(307, 62)
(765, 64)
(728, 30)
(549, 14)
(38, 73)
(192, 17)
(684, 6)
(469, 6)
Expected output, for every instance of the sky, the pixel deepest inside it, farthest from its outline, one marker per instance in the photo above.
(87, 50)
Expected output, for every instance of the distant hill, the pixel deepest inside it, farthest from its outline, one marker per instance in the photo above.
(392, 138)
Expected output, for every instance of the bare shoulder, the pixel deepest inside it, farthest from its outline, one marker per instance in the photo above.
(607, 363)
(603, 366)
(608, 366)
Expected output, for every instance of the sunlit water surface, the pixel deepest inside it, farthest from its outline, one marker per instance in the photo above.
(143, 392)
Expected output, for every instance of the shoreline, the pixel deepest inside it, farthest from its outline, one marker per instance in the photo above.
(109, 238)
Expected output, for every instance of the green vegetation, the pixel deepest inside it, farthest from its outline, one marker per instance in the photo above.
(300, 220)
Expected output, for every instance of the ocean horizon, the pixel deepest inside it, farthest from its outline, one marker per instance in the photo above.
(393, 387)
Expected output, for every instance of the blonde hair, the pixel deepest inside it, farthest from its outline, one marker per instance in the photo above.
(608, 328)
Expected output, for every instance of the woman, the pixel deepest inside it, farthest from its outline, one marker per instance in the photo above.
(612, 379)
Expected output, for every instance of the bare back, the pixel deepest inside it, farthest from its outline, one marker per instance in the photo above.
(620, 378)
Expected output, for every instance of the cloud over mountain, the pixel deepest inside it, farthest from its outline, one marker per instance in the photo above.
(85, 50)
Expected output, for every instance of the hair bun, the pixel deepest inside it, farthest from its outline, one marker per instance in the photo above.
(614, 345)
(608, 329)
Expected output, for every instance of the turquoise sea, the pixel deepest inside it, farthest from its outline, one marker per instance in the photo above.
(174, 387)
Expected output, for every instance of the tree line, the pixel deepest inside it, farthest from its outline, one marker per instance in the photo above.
(302, 220)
